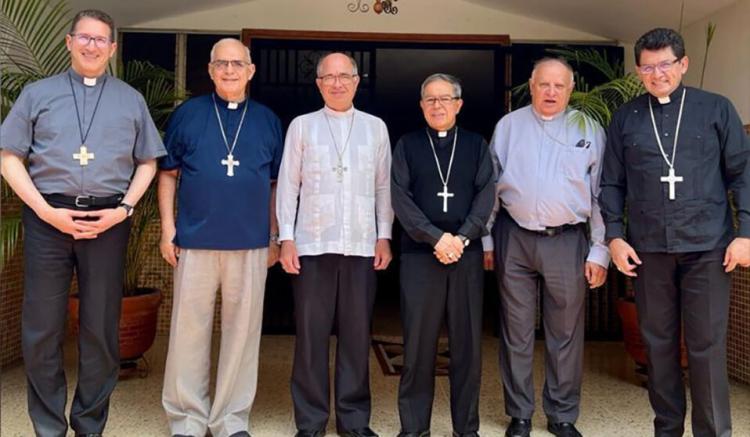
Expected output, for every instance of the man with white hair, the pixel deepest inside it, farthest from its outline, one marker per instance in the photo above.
(226, 150)
(549, 159)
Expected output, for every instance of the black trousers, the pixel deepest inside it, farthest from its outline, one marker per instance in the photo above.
(431, 291)
(50, 257)
(332, 290)
(525, 262)
(688, 290)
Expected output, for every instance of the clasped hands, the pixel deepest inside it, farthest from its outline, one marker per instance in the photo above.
(449, 249)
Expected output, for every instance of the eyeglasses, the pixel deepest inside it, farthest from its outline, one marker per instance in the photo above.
(84, 40)
(223, 64)
(442, 100)
(343, 78)
(661, 66)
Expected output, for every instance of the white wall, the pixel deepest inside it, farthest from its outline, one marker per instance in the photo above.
(415, 16)
(728, 67)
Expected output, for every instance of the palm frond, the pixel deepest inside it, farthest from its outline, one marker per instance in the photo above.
(594, 58)
(10, 233)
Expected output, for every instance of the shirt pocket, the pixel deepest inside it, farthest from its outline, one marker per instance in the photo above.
(575, 163)
(317, 214)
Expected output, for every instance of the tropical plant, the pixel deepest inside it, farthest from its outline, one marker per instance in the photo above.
(31, 48)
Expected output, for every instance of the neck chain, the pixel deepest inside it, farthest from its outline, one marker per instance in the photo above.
(444, 194)
(83, 135)
(541, 123)
(676, 133)
(230, 162)
(340, 169)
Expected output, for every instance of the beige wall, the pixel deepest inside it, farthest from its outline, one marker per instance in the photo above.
(728, 67)
(415, 16)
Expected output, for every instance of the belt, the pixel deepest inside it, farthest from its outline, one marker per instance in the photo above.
(557, 230)
(84, 201)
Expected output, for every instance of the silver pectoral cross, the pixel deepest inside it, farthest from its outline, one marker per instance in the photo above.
(445, 195)
(339, 170)
(230, 163)
(671, 179)
(83, 156)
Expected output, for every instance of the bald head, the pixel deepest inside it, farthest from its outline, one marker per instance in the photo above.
(553, 63)
(551, 85)
(230, 43)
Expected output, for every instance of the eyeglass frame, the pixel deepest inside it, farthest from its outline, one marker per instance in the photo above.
(442, 100)
(663, 66)
(343, 79)
(223, 64)
(79, 37)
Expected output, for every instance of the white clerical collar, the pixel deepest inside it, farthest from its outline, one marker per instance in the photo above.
(547, 117)
(334, 113)
(664, 100)
(89, 81)
(442, 134)
(230, 104)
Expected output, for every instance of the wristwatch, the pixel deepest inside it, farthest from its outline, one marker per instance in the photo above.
(274, 238)
(128, 208)
(464, 240)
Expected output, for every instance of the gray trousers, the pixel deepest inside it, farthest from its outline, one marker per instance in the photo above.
(430, 293)
(50, 257)
(332, 291)
(524, 262)
(689, 290)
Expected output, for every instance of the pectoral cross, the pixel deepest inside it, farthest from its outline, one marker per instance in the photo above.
(445, 195)
(230, 163)
(671, 179)
(83, 156)
(339, 170)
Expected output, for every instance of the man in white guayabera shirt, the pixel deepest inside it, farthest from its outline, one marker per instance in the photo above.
(335, 217)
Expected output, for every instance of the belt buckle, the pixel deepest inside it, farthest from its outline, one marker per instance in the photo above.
(550, 232)
(79, 202)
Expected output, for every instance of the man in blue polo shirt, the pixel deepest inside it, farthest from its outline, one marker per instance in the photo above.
(226, 149)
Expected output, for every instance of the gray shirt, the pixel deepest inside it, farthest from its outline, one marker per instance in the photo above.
(549, 172)
(42, 126)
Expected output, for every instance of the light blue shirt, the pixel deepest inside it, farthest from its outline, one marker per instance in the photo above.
(549, 171)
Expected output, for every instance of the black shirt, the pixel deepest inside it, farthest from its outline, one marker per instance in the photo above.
(712, 157)
(415, 183)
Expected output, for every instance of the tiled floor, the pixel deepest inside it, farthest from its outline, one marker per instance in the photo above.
(613, 403)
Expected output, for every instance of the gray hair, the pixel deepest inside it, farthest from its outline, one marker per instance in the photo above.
(319, 66)
(549, 59)
(226, 40)
(453, 80)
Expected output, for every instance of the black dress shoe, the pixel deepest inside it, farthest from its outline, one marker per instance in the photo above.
(563, 429)
(359, 432)
(425, 433)
(91, 434)
(465, 434)
(518, 428)
(310, 433)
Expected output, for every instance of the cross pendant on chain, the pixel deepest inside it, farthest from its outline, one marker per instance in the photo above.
(671, 179)
(445, 195)
(339, 170)
(230, 163)
(83, 156)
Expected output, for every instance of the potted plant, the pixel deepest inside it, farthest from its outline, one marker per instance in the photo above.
(32, 48)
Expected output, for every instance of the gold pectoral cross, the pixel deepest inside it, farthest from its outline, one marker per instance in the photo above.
(83, 156)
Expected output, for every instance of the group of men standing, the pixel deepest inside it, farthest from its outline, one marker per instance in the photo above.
(323, 204)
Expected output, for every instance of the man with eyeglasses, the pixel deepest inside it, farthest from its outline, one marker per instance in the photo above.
(91, 148)
(548, 236)
(443, 193)
(672, 156)
(225, 151)
(335, 218)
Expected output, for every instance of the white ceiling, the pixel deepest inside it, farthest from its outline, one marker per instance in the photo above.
(621, 20)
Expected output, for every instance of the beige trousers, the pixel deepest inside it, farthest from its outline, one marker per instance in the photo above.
(241, 277)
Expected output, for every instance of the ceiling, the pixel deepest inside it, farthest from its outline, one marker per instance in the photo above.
(621, 20)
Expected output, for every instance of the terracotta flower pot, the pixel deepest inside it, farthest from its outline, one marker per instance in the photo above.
(137, 321)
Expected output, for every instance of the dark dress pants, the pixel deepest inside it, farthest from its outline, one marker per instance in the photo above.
(688, 290)
(50, 257)
(524, 262)
(332, 290)
(430, 292)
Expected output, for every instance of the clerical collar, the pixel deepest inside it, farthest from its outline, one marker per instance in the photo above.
(548, 118)
(88, 81)
(334, 113)
(441, 135)
(223, 103)
(673, 96)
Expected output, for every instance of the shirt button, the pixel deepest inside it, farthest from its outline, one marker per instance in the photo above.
(666, 134)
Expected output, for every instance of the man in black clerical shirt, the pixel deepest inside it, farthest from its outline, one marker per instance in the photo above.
(442, 186)
(672, 154)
